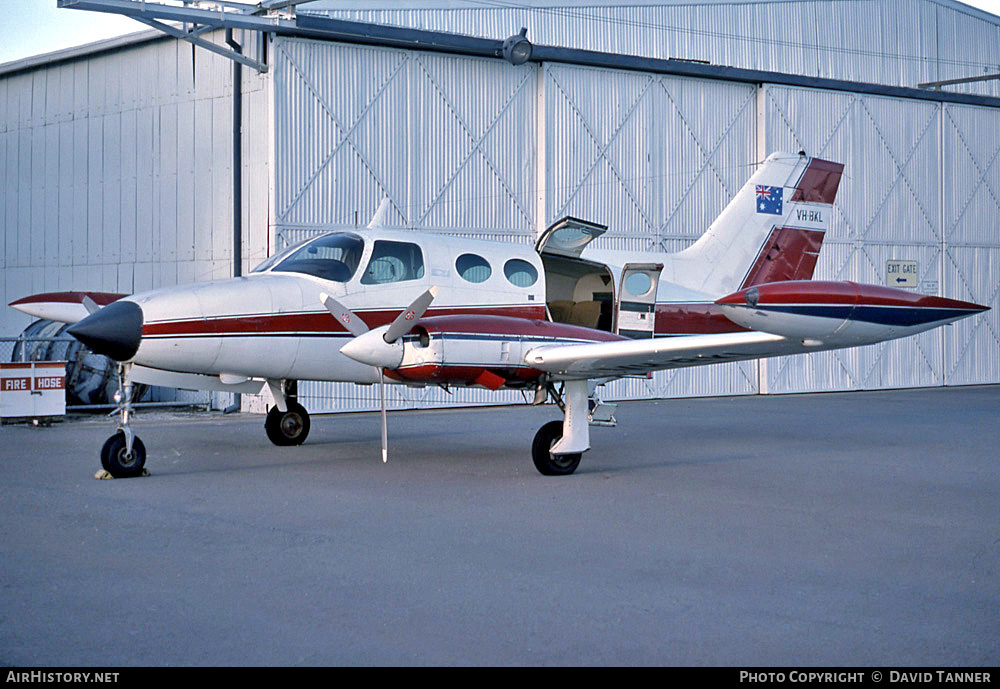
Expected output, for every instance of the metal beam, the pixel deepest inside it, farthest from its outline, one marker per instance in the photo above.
(195, 38)
(235, 15)
(965, 80)
(281, 4)
(231, 14)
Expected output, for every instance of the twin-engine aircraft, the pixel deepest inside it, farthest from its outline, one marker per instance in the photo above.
(381, 306)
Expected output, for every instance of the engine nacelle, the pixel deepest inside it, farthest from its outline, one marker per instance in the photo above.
(481, 350)
(839, 313)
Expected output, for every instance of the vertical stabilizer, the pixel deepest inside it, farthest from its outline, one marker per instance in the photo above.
(771, 231)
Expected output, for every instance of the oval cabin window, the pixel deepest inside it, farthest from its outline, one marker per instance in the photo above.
(473, 268)
(520, 273)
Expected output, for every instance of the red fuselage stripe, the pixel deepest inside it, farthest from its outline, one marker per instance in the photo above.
(314, 322)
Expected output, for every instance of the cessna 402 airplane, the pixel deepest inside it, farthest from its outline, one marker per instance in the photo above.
(380, 305)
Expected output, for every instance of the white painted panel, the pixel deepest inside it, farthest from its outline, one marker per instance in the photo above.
(79, 223)
(471, 154)
(6, 190)
(342, 114)
(256, 175)
(643, 154)
(971, 183)
(127, 195)
(68, 214)
(111, 181)
(204, 156)
(600, 135)
(147, 219)
(887, 146)
(972, 345)
(186, 190)
(36, 194)
(50, 216)
(222, 179)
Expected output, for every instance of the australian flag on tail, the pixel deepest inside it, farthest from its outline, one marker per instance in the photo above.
(769, 199)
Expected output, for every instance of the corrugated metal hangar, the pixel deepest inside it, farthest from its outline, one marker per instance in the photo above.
(646, 117)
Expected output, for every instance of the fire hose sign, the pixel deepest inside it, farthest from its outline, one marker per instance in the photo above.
(32, 389)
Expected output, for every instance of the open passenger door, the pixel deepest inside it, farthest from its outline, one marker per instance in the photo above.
(636, 307)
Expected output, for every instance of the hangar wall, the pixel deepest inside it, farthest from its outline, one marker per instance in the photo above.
(904, 42)
(656, 158)
(117, 172)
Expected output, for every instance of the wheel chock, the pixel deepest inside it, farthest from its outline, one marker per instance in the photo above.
(104, 475)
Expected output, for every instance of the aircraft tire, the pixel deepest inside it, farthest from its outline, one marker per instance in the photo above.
(115, 459)
(289, 427)
(547, 463)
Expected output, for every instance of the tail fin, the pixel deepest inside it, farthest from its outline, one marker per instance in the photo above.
(773, 228)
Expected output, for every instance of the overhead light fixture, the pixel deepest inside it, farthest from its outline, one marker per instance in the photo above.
(517, 48)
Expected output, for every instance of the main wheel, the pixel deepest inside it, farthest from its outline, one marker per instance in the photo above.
(116, 459)
(287, 427)
(547, 463)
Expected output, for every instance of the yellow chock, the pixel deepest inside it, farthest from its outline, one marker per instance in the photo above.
(104, 475)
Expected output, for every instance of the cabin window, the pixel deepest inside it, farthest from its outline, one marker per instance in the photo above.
(473, 268)
(520, 273)
(331, 257)
(393, 262)
(638, 284)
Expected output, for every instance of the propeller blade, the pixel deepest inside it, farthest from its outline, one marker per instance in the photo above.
(90, 305)
(385, 429)
(344, 315)
(410, 315)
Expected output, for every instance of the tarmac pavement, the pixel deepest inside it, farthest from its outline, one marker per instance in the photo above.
(856, 529)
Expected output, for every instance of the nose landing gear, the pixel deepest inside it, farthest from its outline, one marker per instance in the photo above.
(123, 454)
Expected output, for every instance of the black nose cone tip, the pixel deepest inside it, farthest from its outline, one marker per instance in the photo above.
(114, 331)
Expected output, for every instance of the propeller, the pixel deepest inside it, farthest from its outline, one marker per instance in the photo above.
(380, 347)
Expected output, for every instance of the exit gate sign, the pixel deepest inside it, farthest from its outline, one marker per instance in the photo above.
(901, 273)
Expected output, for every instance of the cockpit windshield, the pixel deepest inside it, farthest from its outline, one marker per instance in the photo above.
(331, 257)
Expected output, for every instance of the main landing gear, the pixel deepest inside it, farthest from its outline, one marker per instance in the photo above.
(549, 464)
(559, 445)
(123, 454)
(289, 427)
(287, 423)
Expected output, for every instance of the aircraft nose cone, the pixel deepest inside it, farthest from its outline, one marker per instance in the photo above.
(115, 330)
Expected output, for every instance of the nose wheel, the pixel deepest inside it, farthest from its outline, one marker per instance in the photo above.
(287, 427)
(119, 460)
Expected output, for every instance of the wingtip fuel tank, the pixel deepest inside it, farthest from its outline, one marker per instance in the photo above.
(840, 312)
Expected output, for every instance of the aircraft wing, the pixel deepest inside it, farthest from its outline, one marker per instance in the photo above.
(631, 357)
